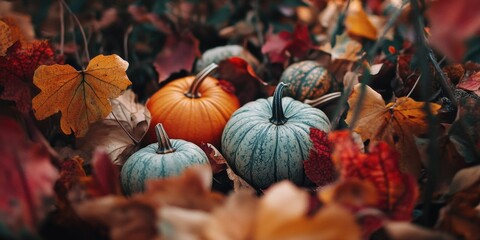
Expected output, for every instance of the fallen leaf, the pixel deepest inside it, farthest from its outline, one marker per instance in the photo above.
(125, 218)
(464, 132)
(81, 96)
(248, 86)
(464, 179)
(345, 48)
(217, 161)
(111, 136)
(280, 46)
(472, 83)
(461, 216)
(105, 178)
(319, 166)
(235, 220)
(451, 25)
(177, 54)
(177, 223)
(238, 182)
(191, 190)
(397, 191)
(357, 22)
(27, 179)
(395, 123)
(71, 171)
(293, 222)
(6, 39)
(17, 69)
(355, 193)
(407, 231)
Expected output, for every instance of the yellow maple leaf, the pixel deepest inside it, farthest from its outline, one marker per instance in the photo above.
(357, 22)
(6, 39)
(81, 96)
(396, 123)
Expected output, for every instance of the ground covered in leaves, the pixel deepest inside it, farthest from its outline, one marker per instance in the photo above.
(402, 94)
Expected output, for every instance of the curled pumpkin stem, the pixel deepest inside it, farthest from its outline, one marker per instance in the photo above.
(193, 91)
(164, 143)
(278, 118)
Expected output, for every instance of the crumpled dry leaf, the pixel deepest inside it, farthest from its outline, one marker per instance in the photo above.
(464, 179)
(191, 190)
(293, 222)
(109, 135)
(217, 161)
(235, 220)
(81, 96)
(27, 179)
(345, 48)
(395, 123)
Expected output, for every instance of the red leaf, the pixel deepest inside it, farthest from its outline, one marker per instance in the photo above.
(105, 179)
(17, 68)
(280, 46)
(471, 84)
(26, 178)
(71, 171)
(215, 158)
(226, 86)
(452, 24)
(397, 191)
(177, 54)
(319, 166)
(247, 85)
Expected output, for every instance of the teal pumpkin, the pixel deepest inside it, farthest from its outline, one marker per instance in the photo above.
(267, 140)
(306, 80)
(159, 160)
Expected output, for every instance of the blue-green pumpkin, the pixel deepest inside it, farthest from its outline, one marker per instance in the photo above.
(306, 80)
(160, 160)
(267, 140)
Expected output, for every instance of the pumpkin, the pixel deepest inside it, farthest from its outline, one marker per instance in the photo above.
(218, 54)
(159, 160)
(195, 109)
(306, 80)
(267, 140)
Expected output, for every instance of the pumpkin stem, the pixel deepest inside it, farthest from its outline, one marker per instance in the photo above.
(193, 91)
(164, 143)
(277, 109)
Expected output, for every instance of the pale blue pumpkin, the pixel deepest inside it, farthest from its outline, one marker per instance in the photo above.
(159, 160)
(267, 140)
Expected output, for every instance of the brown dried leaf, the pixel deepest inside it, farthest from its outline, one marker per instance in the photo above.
(109, 135)
(287, 223)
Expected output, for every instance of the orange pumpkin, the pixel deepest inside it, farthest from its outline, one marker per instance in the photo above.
(195, 109)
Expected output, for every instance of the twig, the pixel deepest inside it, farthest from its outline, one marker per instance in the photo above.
(443, 79)
(134, 140)
(79, 26)
(62, 28)
(432, 148)
(125, 41)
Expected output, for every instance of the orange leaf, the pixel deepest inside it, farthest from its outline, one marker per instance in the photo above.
(395, 123)
(81, 96)
(357, 22)
(6, 38)
(397, 191)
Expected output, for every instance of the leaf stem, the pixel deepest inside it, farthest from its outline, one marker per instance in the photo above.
(443, 79)
(87, 54)
(134, 140)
